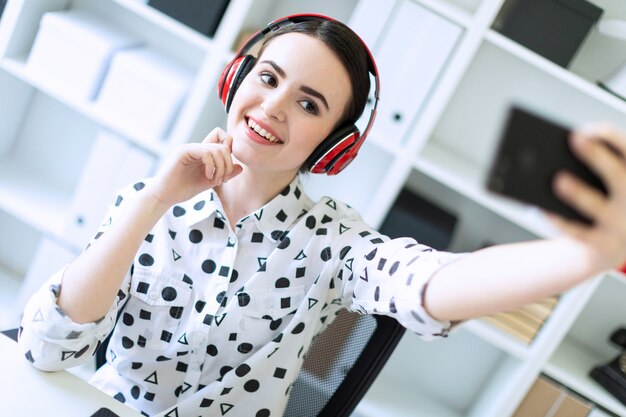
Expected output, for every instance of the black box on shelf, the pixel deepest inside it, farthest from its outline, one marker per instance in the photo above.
(414, 216)
(554, 29)
(201, 15)
(2, 4)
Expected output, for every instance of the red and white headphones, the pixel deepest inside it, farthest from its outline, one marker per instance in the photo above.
(341, 146)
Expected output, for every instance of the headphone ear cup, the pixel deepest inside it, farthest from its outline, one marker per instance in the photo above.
(232, 77)
(332, 150)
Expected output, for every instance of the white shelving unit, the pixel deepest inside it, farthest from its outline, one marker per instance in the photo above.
(435, 134)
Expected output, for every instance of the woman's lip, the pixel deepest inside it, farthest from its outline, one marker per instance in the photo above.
(265, 127)
(258, 138)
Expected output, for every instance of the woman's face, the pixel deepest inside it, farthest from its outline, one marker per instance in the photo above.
(288, 104)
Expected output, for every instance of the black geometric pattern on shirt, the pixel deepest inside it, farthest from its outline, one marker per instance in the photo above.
(225, 407)
(183, 339)
(231, 243)
(65, 355)
(332, 204)
(199, 205)
(149, 237)
(300, 256)
(259, 214)
(172, 234)
(219, 319)
(326, 219)
(300, 271)
(209, 266)
(312, 302)
(364, 276)
(206, 403)
(349, 264)
(219, 223)
(178, 211)
(181, 389)
(145, 259)
(262, 264)
(172, 413)
(175, 255)
(152, 378)
(224, 271)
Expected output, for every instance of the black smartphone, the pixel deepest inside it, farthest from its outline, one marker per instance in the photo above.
(532, 149)
(104, 412)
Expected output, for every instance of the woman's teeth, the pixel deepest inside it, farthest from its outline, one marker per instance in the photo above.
(261, 131)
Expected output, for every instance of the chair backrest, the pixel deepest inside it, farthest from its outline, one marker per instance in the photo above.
(339, 368)
(342, 364)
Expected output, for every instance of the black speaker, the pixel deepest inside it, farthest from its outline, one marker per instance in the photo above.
(201, 15)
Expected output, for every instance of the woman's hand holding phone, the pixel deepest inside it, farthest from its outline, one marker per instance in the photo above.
(606, 236)
(195, 167)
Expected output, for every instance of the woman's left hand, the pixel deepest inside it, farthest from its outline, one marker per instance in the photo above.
(606, 238)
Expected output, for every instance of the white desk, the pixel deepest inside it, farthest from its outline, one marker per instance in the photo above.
(26, 391)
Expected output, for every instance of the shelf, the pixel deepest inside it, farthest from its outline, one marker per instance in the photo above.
(457, 11)
(16, 66)
(174, 28)
(33, 200)
(575, 81)
(571, 364)
(498, 338)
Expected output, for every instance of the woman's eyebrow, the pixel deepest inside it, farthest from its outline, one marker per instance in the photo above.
(304, 88)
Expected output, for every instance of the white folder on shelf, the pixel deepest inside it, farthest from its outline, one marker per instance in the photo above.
(411, 55)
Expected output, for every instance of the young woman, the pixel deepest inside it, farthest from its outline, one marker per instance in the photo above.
(222, 270)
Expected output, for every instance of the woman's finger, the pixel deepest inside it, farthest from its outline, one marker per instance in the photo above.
(606, 132)
(604, 161)
(209, 164)
(215, 136)
(582, 197)
(220, 164)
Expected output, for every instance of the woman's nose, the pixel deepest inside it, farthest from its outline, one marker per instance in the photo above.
(274, 104)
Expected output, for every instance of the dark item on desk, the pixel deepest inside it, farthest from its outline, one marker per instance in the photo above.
(104, 412)
(554, 29)
(202, 16)
(612, 376)
(531, 151)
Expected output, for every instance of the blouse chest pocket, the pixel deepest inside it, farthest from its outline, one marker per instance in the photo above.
(270, 303)
(155, 309)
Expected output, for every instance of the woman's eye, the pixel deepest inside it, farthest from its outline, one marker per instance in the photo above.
(309, 106)
(268, 79)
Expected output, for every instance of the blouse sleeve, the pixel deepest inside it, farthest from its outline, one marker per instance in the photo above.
(389, 277)
(48, 338)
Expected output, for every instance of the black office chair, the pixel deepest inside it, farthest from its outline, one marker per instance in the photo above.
(341, 365)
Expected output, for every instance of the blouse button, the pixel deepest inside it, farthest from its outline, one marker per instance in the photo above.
(273, 311)
(153, 295)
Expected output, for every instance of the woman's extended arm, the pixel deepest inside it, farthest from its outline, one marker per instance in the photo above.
(508, 276)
